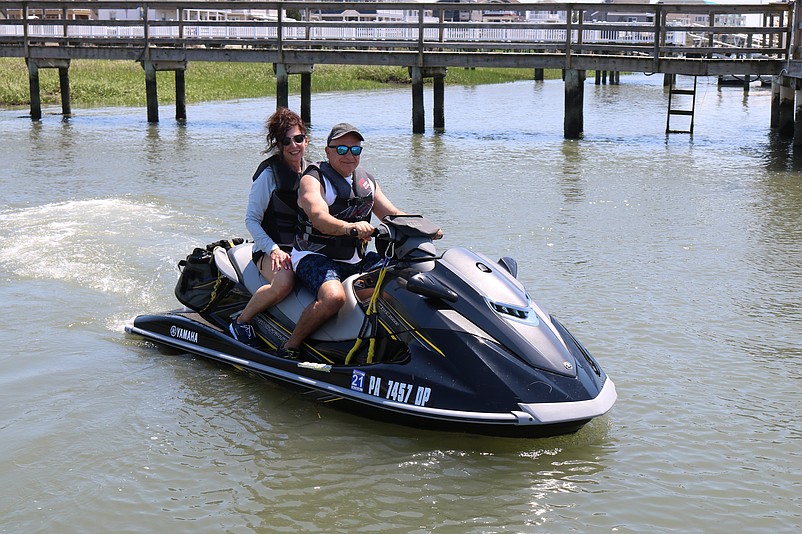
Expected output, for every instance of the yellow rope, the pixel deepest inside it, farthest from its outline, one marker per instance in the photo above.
(371, 309)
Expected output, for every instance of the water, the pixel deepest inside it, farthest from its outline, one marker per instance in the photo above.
(676, 260)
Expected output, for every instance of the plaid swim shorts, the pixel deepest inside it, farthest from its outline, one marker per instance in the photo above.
(315, 269)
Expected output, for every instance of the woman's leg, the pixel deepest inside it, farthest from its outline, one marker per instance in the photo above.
(279, 285)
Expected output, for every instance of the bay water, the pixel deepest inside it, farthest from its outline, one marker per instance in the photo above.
(676, 259)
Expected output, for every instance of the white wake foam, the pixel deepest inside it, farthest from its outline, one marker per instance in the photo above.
(112, 245)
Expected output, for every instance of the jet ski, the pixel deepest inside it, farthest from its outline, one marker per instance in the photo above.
(449, 341)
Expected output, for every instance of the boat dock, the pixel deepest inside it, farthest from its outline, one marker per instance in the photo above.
(428, 38)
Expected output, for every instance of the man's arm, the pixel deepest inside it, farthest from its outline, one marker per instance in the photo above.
(310, 199)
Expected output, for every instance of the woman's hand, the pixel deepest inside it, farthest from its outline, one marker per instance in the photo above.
(280, 260)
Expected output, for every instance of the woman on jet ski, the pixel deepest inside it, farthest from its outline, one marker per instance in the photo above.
(272, 214)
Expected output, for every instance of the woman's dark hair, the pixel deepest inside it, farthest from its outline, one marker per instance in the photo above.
(279, 123)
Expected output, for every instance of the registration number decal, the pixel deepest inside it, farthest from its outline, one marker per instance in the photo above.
(358, 380)
(399, 391)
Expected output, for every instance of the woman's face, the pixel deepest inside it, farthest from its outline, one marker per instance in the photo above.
(293, 153)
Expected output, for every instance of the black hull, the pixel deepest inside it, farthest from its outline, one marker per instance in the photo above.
(402, 396)
(458, 426)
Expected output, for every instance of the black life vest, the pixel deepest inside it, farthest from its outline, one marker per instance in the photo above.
(281, 216)
(353, 202)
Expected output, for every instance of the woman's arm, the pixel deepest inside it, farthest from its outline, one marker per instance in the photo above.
(258, 199)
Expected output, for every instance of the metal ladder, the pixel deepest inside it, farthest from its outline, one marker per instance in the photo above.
(679, 106)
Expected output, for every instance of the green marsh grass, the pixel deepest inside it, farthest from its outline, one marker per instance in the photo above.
(120, 83)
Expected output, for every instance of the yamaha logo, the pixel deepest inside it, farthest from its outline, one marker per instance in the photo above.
(568, 365)
(183, 333)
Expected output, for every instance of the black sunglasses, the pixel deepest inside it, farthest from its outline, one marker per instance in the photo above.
(297, 138)
(342, 150)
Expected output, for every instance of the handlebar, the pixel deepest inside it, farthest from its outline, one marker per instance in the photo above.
(404, 237)
(354, 233)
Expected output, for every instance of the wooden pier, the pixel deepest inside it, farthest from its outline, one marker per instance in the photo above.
(428, 38)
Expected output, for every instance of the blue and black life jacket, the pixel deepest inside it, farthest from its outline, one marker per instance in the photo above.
(353, 202)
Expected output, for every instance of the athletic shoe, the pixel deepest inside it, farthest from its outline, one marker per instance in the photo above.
(243, 333)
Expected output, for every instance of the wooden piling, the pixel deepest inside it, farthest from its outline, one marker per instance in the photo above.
(573, 125)
(539, 75)
(418, 113)
(150, 91)
(786, 125)
(798, 118)
(306, 97)
(64, 87)
(439, 102)
(282, 86)
(775, 102)
(180, 96)
(33, 84)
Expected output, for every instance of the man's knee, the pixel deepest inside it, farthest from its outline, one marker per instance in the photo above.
(332, 294)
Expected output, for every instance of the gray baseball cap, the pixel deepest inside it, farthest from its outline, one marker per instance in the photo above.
(342, 129)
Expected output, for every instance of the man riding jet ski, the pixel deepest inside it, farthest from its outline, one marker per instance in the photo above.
(449, 341)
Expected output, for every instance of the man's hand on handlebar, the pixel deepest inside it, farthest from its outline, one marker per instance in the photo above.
(362, 230)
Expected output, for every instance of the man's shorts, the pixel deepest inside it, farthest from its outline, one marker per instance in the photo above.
(315, 269)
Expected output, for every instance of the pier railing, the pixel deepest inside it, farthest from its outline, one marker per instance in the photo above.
(693, 39)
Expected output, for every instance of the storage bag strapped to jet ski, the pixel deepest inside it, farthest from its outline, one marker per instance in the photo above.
(201, 283)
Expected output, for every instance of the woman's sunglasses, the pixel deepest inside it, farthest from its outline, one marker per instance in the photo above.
(342, 150)
(297, 138)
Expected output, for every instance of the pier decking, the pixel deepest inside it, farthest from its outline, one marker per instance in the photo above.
(427, 38)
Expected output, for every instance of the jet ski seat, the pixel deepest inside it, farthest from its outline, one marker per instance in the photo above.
(237, 264)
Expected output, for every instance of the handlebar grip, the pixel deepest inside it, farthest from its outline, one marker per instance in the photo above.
(354, 233)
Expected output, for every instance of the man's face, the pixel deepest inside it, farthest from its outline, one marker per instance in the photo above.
(345, 163)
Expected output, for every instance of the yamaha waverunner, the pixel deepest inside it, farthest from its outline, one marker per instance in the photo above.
(449, 341)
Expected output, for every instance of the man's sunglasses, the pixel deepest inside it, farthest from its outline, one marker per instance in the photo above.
(342, 150)
(297, 138)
